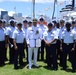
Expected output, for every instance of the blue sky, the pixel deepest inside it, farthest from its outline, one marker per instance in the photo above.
(25, 7)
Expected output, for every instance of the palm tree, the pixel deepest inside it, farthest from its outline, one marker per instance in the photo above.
(55, 1)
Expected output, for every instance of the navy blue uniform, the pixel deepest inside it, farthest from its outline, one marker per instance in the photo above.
(18, 36)
(51, 49)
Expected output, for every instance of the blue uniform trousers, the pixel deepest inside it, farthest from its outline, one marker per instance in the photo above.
(11, 52)
(26, 51)
(42, 51)
(18, 54)
(51, 56)
(67, 50)
(2, 48)
(59, 52)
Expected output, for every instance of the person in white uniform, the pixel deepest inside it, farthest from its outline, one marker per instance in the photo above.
(33, 42)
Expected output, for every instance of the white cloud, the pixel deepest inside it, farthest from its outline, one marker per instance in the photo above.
(1, 10)
(10, 13)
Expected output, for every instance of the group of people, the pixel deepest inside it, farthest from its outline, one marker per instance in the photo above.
(58, 39)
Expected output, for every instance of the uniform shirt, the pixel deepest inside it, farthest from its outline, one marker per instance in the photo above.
(33, 34)
(57, 30)
(43, 28)
(2, 34)
(50, 35)
(18, 35)
(10, 31)
(62, 29)
(5, 28)
(25, 30)
(69, 37)
(75, 29)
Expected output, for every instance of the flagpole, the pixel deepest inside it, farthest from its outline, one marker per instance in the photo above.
(57, 11)
(33, 8)
(53, 9)
(73, 4)
(15, 9)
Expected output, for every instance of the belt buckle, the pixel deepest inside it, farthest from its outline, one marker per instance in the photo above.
(67, 44)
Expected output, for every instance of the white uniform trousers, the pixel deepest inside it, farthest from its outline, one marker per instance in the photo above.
(30, 53)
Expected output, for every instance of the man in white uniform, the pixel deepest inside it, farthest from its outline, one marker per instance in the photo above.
(33, 42)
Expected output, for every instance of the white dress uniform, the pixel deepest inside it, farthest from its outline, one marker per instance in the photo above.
(33, 39)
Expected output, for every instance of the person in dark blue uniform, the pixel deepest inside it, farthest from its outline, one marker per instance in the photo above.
(2, 44)
(44, 29)
(62, 28)
(6, 43)
(68, 40)
(9, 33)
(50, 39)
(18, 40)
(25, 27)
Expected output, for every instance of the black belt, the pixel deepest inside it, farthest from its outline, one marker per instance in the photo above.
(11, 40)
(2, 41)
(19, 43)
(68, 43)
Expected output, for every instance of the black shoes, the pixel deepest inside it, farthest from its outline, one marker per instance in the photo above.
(73, 71)
(16, 68)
